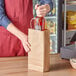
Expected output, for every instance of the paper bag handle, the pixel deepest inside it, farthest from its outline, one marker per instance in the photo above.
(37, 26)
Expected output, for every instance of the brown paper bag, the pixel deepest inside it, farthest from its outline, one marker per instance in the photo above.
(39, 57)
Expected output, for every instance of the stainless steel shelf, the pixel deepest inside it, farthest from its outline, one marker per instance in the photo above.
(71, 2)
(66, 3)
(50, 17)
(53, 52)
(53, 35)
(71, 30)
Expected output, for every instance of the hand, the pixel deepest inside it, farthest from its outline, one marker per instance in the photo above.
(42, 10)
(23, 37)
(25, 43)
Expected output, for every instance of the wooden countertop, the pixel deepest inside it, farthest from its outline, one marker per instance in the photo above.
(18, 66)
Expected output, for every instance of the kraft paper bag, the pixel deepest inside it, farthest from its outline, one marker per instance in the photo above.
(39, 56)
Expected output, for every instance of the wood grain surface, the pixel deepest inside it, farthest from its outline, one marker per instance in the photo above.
(18, 66)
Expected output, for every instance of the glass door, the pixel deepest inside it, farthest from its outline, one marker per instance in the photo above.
(52, 25)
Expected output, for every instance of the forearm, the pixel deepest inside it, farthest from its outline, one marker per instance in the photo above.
(15, 31)
(23, 37)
